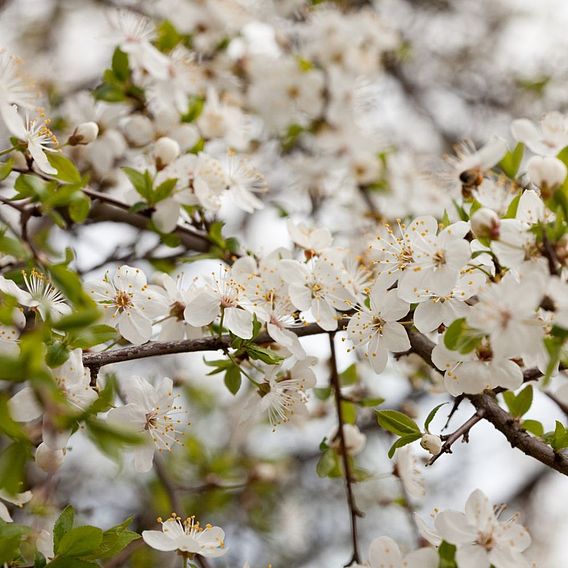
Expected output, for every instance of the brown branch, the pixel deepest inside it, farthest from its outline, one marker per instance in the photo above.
(550, 255)
(106, 208)
(519, 438)
(354, 512)
(168, 484)
(461, 432)
(157, 348)
(502, 420)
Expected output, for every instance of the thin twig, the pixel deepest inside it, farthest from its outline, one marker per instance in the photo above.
(461, 432)
(501, 419)
(354, 512)
(168, 484)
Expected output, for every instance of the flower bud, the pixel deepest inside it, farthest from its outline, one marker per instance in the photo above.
(48, 459)
(266, 472)
(485, 223)
(85, 133)
(547, 173)
(431, 443)
(354, 439)
(139, 130)
(166, 151)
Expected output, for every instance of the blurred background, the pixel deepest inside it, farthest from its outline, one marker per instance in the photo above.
(463, 70)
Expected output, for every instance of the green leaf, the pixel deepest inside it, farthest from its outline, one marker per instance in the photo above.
(534, 427)
(12, 466)
(109, 439)
(512, 160)
(91, 336)
(57, 354)
(559, 439)
(403, 441)
(220, 365)
(554, 347)
(69, 282)
(80, 541)
(8, 426)
(66, 170)
(233, 379)
(349, 376)
(460, 337)
(328, 465)
(62, 526)
(431, 415)
(114, 540)
(11, 536)
(71, 562)
(453, 333)
(520, 404)
(194, 110)
(262, 354)
(369, 402)
(397, 422)
(447, 553)
(39, 560)
(164, 190)
(109, 93)
(78, 319)
(511, 212)
(349, 411)
(322, 393)
(79, 207)
(142, 182)
(29, 186)
(167, 36)
(120, 66)
(106, 397)
(6, 168)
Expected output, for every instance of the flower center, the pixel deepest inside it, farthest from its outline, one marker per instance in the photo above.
(439, 258)
(176, 311)
(404, 257)
(123, 300)
(378, 324)
(316, 290)
(151, 420)
(486, 541)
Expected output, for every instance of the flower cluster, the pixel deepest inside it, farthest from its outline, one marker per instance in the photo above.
(235, 113)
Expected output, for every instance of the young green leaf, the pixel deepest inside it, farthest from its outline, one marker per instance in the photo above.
(62, 526)
(431, 415)
(397, 422)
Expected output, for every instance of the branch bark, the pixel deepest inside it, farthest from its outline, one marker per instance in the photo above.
(461, 432)
(501, 419)
(354, 512)
(158, 348)
(106, 208)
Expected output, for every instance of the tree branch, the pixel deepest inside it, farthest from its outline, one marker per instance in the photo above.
(354, 512)
(461, 432)
(106, 208)
(517, 437)
(157, 348)
(502, 420)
